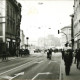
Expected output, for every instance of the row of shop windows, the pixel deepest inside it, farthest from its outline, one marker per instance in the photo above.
(9, 45)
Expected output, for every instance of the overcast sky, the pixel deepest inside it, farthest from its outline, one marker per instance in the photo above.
(40, 15)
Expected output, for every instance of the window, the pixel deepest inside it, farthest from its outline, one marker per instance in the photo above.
(1, 30)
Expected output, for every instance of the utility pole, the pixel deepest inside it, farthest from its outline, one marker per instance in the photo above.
(72, 31)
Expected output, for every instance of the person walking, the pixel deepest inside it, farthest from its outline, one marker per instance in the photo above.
(75, 52)
(68, 57)
(4, 56)
(62, 51)
(78, 58)
(49, 54)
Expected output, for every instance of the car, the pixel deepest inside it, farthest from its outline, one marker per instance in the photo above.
(24, 52)
(37, 50)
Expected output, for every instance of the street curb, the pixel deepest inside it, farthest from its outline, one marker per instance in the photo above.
(61, 74)
(7, 59)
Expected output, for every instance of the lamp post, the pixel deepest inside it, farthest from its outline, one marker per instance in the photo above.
(65, 35)
(27, 41)
(72, 31)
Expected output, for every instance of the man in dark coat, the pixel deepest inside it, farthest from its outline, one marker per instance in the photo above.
(68, 57)
(49, 53)
(62, 51)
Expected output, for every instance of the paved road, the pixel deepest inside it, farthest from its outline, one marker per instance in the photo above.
(33, 67)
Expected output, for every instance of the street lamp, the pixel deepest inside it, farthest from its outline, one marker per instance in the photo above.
(65, 35)
(27, 41)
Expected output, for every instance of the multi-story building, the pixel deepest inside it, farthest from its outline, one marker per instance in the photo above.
(76, 20)
(22, 37)
(10, 18)
(66, 35)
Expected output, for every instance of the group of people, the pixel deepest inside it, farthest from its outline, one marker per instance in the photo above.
(67, 55)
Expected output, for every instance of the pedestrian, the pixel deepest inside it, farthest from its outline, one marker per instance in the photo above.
(78, 57)
(75, 52)
(49, 54)
(17, 52)
(62, 51)
(68, 57)
(4, 56)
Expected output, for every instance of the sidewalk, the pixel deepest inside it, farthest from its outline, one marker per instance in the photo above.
(9, 58)
(74, 72)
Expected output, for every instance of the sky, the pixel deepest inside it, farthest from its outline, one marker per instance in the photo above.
(43, 17)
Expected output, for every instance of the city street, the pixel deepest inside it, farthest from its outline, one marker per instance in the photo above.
(39, 40)
(34, 67)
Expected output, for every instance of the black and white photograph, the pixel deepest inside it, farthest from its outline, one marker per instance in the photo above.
(39, 39)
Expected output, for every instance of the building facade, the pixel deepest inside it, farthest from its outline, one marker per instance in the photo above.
(76, 20)
(66, 35)
(22, 37)
(10, 19)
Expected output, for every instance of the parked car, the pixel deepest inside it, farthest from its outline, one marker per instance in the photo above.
(37, 50)
(24, 52)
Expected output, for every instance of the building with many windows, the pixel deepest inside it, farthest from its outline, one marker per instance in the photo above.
(10, 19)
(76, 23)
(22, 37)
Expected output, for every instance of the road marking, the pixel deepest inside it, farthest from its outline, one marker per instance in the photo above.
(21, 73)
(35, 76)
(10, 78)
(46, 73)
(7, 77)
(39, 62)
(16, 67)
(51, 62)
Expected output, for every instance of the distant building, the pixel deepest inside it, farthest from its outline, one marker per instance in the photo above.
(22, 37)
(10, 18)
(66, 35)
(76, 23)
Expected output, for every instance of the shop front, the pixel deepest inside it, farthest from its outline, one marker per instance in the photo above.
(11, 46)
